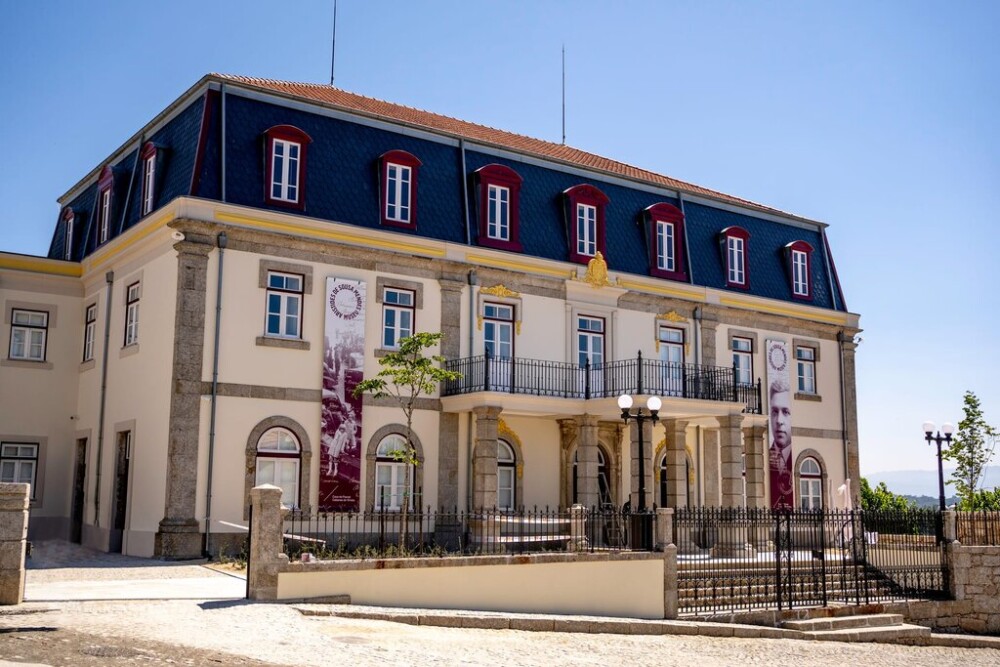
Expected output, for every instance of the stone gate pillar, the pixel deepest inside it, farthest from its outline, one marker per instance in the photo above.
(14, 500)
(484, 458)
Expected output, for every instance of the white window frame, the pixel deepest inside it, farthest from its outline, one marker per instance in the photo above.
(497, 319)
(398, 306)
(281, 178)
(387, 466)
(584, 331)
(805, 362)
(286, 296)
(89, 331)
(586, 230)
(736, 255)
(666, 246)
(279, 447)
(506, 477)
(498, 212)
(15, 457)
(399, 182)
(800, 273)
(104, 213)
(132, 295)
(743, 359)
(32, 327)
(148, 182)
(810, 486)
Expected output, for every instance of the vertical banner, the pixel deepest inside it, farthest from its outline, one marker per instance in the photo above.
(779, 395)
(340, 423)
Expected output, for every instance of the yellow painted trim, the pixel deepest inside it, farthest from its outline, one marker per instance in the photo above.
(520, 266)
(694, 296)
(121, 244)
(41, 265)
(331, 235)
(778, 310)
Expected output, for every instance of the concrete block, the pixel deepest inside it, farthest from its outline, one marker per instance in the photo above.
(486, 622)
(532, 624)
(441, 620)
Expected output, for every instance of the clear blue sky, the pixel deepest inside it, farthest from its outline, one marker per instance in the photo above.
(880, 118)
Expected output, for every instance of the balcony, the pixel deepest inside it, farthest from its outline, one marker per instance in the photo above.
(610, 379)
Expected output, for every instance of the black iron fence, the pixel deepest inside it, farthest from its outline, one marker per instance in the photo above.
(746, 558)
(978, 529)
(428, 532)
(610, 379)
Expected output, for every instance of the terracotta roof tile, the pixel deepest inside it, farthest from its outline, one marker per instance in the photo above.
(342, 99)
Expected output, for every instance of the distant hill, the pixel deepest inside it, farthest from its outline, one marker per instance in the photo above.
(931, 502)
(925, 482)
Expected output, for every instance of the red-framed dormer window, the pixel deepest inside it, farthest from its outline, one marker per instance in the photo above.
(735, 242)
(499, 207)
(148, 159)
(68, 219)
(105, 198)
(798, 256)
(585, 208)
(284, 178)
(665, 229)
(398, 182)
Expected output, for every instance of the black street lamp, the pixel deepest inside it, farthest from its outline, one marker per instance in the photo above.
(653, 405)
(944, 435)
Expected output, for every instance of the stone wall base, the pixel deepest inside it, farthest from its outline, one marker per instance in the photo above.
(179, 540)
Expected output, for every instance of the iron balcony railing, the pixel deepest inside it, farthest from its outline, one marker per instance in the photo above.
(609, 379)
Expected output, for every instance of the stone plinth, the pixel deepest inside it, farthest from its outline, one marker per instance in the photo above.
(14, 500)
(267, 555)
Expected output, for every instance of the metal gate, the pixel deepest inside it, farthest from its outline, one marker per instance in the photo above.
(734, 559)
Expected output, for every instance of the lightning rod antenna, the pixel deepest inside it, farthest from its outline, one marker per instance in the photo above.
(333, 49)
(564, 94)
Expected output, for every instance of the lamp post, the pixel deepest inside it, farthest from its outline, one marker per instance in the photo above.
(944, 435)
(653, 406)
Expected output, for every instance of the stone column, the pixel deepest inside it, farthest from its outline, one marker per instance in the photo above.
(14, 499)
(709, 355)
(731, 449)
(753, 436)
(587, 492)
(676, 431)
(712, 476)
(266, 544)
(451, 348)
(848, 348)
(647, 450)
(484, 458)
(179, 535)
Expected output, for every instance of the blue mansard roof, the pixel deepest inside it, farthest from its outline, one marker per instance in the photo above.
(341, 175)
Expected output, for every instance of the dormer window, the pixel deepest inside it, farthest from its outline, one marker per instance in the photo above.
(285, 148)
(148, 157)
(585, 207)
(798, 256)
(398, 181)
(665, 231)
(499, 207)
(68, 219)
(735, 251)
(104, 187)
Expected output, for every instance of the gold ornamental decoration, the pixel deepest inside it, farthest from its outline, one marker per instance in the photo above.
(672, 316)
(597, 272)
(500, 291)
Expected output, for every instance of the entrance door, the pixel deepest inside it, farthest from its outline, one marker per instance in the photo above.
(590, 350)
(119, 506)
(498, 340)
(79, 487)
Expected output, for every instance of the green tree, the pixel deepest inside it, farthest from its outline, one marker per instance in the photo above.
(881, 498)
(971, 450)
(984, 499)
(406, 374)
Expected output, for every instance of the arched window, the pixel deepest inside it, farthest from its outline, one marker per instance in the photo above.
(390, 474)
(603, 481)
(278, 463)
(687, 490)
(506, 476)
(810, 485)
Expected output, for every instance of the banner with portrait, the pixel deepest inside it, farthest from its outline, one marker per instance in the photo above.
(340, 420)
(779, 402)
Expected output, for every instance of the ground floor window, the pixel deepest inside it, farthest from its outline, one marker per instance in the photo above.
(390, 474)
(506, 477)
(19, 463)
(603, 480)
(278, 463)
(810, 485)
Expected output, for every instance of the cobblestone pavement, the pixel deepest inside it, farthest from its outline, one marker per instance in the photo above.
(236, 632)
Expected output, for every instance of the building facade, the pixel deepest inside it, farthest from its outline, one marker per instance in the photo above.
(216, 287)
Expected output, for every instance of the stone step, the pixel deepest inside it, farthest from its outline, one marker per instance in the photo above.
(844, 622)
(887, 634)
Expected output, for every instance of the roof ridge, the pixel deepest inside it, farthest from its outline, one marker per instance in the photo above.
(580, 156)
